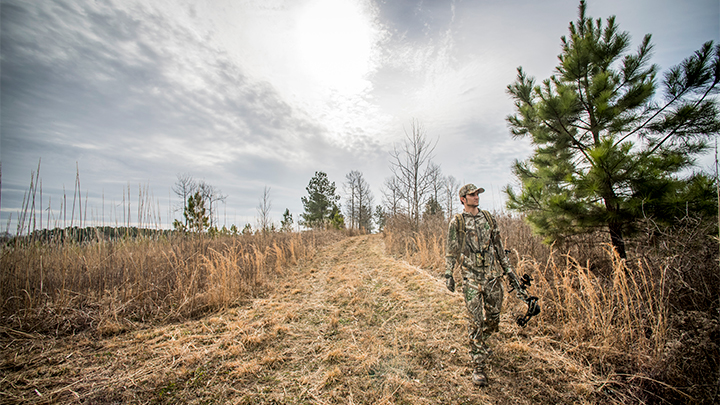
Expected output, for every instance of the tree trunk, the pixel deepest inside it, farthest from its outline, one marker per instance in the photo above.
(616, 237)
(615, 227)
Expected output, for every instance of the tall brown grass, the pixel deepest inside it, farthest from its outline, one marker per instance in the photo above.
(61, 287)
(648, 324)
(424, 247)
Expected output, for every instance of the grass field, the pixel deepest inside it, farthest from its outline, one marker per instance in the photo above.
(328, 318)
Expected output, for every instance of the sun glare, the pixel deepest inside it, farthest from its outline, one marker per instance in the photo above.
(334, 41)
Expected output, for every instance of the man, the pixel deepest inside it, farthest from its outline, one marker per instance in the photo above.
(473, 241)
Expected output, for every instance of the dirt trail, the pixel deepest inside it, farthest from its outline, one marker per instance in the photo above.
(353, 326)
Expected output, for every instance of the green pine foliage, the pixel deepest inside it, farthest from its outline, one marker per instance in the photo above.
(380, 217)
(609, 150)
(287, 222)
(196, 215)
(337, 220)
(321, 204)
(432, 209)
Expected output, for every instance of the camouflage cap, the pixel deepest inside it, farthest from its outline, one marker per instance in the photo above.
(469, 189)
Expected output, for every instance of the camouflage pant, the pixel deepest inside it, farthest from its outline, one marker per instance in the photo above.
(484, 301)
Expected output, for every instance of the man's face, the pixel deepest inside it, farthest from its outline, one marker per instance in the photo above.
(470, 200)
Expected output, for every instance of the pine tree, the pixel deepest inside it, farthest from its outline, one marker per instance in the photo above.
(287, 222)
(195, 213)
(321, 203)
(337, 220)
(608, 150)
(432, 209)
(380, 217)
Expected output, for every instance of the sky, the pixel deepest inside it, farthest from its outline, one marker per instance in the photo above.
(124, 96)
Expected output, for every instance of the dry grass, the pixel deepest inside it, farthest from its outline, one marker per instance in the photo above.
(424, 247)
(352, 326)
(620, 319)
(110, 286)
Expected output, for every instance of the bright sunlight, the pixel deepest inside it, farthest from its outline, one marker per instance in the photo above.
(334, 43)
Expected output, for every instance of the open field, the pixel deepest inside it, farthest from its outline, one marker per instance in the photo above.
(351, 326)
(346, 322)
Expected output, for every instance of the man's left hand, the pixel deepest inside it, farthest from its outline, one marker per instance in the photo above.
(450, 282)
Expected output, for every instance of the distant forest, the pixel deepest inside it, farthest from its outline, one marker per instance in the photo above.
(88, 234)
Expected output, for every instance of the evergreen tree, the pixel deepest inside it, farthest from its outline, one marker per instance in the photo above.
(380, 217)
(287, 222)
(321, 204)
(337, 220)
(179, 226)
(432, 209)
(608, 151)
(195, 213)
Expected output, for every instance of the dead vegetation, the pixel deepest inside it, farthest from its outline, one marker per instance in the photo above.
(352, 326)
(349, 324)
(646, 329)
(108, 286)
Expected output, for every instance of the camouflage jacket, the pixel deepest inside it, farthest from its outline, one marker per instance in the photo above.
(482, 252)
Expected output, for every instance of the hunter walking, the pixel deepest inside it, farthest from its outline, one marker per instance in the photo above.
(473, 242)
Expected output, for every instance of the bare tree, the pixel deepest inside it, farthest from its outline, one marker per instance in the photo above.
(264, 206)
(212, 195)
(351, 187)
(411, 166)
(360, 200)
(392, 196)
(364, 205)
(437, 186)
(451, 188)
(184, 187)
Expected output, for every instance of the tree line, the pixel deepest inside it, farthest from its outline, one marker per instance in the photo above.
(416, 190)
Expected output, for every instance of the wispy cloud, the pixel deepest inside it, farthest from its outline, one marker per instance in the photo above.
(266, 92)
(128, 86)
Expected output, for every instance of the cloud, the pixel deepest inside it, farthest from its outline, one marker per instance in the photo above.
(138, 92)
(133, 97)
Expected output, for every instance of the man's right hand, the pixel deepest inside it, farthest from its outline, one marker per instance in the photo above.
(450, 282)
